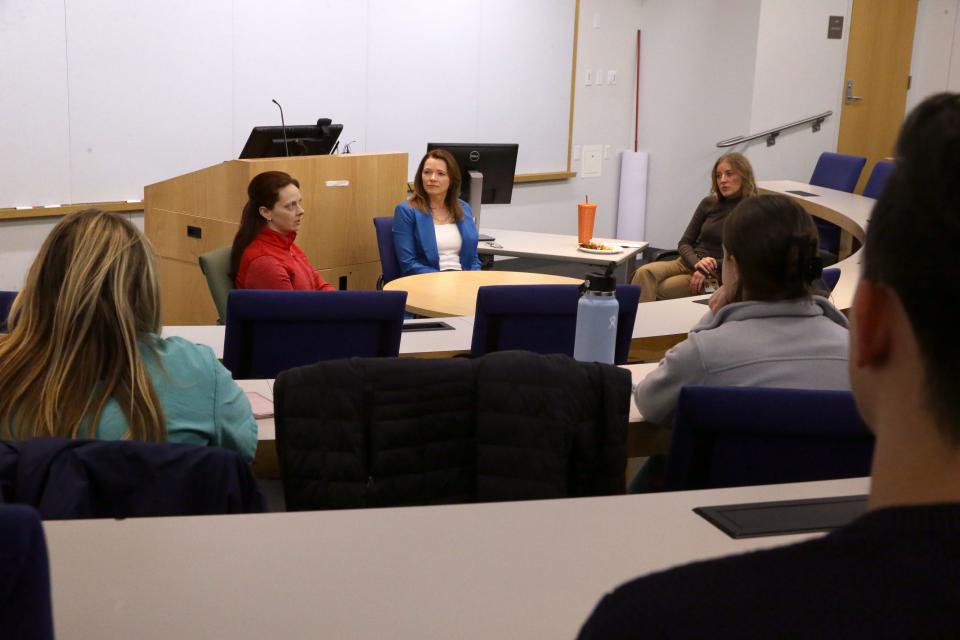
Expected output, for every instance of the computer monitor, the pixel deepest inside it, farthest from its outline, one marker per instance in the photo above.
(486, 172)
(301, 140)
(496, 162)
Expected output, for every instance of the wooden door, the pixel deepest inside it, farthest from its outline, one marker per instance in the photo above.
(878, 65)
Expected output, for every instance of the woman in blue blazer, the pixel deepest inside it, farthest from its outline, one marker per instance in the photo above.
(434, 230)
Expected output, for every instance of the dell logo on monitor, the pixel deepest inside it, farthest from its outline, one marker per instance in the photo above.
(474, 156)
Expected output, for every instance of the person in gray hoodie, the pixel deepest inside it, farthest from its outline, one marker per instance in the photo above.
(768, 325)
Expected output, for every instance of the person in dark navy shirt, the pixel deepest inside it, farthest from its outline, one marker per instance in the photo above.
(893, 573)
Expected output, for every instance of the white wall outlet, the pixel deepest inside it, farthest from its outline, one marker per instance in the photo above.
(576, 152)
(588, 80)
(598, 76)
(606, 151)
(592, 164)
(612, 76)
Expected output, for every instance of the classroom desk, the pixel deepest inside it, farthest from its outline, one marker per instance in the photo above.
(561, 248)
(499, 570)
(659, 325)
(454, 293)
(422, 344)
(643, 438)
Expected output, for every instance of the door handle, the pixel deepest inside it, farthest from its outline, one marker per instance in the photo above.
(849, 98)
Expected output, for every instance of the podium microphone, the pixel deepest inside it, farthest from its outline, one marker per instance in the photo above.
(283, 125)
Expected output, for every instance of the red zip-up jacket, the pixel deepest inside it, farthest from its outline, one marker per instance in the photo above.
(272, 261)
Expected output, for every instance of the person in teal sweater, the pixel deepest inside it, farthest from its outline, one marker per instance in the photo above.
(84, 359)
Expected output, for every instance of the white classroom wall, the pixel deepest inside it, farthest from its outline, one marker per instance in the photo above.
(799, 73)
(710, 70)
(935, 65)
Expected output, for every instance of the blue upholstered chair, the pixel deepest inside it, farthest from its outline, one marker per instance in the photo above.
(835, 171)
(542, 319)
(6, 299)
(25, 609)
(838, 171)
(878, 178)
(389, 265)
(830, 278)
(270, 331)
(738, 436)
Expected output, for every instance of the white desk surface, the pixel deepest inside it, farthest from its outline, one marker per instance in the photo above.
(518, 570)
(453, 340)
(654, 319)
(531, 244)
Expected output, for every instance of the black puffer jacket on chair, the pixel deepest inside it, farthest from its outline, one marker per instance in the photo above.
(513, 425)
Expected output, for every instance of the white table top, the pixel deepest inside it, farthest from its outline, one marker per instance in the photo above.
(452, 340)
(520, 570)
(531, 244)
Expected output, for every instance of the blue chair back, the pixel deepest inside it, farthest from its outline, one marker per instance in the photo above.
(270, 331)
(837, 171)
(830, 278)
(738, 436)
(878, 178)
(389, 265)
(25, 609)
(542, 319)
(6, 300)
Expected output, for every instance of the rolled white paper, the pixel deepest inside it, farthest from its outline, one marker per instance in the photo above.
(632, 207)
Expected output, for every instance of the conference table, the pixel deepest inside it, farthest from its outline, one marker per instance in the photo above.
(444, 294)
(532, 569)
(562, 248)
(659, 325)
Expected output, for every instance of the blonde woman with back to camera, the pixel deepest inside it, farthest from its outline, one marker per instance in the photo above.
(84, 358)
(700, 250)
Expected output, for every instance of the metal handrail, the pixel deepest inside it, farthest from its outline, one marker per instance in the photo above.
(771, 134)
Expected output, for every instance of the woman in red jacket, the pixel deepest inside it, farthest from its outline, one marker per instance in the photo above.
(264, 255)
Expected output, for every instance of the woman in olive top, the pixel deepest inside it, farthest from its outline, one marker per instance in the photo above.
(700, 247)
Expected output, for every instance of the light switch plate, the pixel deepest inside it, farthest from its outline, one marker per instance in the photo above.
(592, 161)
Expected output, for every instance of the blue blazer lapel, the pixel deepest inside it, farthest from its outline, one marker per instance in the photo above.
(428, 239)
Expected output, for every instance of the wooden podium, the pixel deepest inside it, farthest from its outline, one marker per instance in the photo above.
(200, 211)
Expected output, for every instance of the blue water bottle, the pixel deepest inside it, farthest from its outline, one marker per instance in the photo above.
(597, 312)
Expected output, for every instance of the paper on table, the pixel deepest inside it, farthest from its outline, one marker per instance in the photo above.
(261, 405)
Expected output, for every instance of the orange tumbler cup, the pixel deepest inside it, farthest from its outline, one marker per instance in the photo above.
(586, 214)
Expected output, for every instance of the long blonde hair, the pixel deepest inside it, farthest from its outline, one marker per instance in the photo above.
(90, 296)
